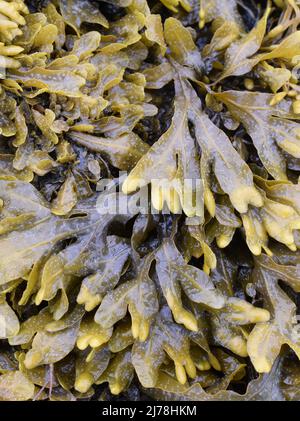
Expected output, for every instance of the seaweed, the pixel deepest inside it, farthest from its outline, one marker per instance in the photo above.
(149, 200)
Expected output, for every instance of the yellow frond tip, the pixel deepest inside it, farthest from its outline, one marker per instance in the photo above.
(180, 373)
(277, 98)
(261, 364)
(190, 368)
(203, 365)
(223, 241)
(84, 382)
(131, 184)
(33, 359)
(238, 345)
(115, 388)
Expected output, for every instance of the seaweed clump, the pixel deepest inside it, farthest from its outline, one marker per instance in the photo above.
(193, 296)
